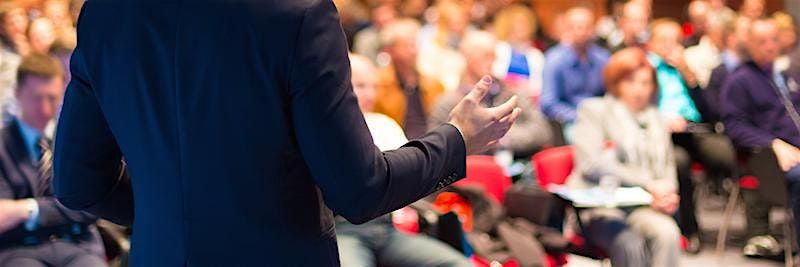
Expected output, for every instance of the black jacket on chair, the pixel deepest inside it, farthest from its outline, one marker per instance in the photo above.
(240, 129)
(20, 179)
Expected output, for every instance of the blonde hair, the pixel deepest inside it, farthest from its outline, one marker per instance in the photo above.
(783, 21)
(447, 9)
(511, 15)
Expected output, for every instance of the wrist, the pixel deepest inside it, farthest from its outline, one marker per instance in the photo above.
(28, 211)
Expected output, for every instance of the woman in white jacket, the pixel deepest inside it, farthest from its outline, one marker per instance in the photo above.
(519, 64)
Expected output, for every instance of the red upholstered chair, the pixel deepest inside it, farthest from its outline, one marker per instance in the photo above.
(553, 165)
(484, 172)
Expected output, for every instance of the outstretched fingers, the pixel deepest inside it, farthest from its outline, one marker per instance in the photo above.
(503, 110)
(480, 90)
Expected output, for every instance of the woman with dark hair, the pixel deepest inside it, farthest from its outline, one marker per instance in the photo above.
(621, 139)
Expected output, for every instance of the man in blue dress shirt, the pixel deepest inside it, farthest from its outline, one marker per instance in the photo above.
(573, 69)
(35, 230)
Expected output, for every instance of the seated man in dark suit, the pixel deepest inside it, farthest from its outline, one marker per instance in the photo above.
(35, 230)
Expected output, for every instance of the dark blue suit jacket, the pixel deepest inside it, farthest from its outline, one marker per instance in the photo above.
(240, 130)
(20, 178)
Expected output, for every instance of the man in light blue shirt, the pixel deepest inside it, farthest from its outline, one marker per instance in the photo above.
(35, 230)
(573, 69)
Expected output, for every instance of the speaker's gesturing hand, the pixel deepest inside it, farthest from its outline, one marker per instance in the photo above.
(483, 127)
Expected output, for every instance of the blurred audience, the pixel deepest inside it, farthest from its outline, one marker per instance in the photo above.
(438, 43)
(41, 35)
(354, 17)
(621, 139)
(721, 6)
(75, 9)
(698, 11)
(752, 9)
(386, 133)
(632, 27)
(519, 64)
(403, 93)
(14, 28)
(58, 11)
(609, 24)
(530, 133)
(695, 141)
(414, 9)
(14, 45)
(760, 242)
(663, 110)
(758, 104)
(367, 41)
(731, 57)
(787, 38)
(377, 242)
(36, 230)
(62, 50)
(705, 56)
(573, 69)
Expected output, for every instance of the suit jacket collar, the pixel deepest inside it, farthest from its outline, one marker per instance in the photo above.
(19, 156)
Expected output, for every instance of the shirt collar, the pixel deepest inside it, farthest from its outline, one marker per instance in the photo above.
(730, 60)
(763, 70)
(30, 136)
(592, 54)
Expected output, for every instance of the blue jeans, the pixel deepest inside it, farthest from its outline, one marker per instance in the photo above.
(378, 243)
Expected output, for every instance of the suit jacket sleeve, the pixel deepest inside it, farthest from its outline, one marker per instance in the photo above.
(53, 213)
(357, 180)
(736, 107)
(88, 161)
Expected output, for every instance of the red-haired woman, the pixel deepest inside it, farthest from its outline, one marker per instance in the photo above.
(621, 139)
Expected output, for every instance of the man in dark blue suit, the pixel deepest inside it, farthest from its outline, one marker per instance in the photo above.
(35, 230)
(241, 132)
